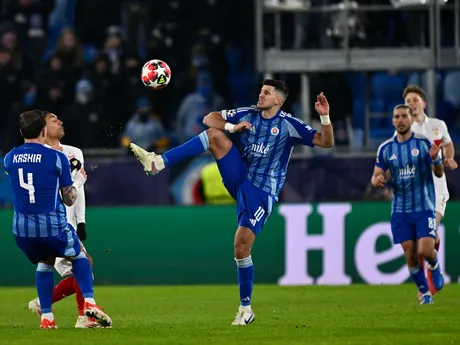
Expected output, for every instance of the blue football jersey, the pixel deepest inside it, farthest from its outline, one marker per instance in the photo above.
(36, 174)
(412, 179)
(267, 146)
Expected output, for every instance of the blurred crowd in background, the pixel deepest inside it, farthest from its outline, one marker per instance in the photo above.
(82, 61)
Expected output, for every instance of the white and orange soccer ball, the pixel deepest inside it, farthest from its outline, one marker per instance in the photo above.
(156, 74)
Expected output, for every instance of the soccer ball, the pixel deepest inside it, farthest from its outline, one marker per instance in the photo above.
(156, 74)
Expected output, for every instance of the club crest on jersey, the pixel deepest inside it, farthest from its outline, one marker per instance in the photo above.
(415, 152)
(275, 131)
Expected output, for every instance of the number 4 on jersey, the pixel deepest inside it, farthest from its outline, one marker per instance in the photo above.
(29, 185)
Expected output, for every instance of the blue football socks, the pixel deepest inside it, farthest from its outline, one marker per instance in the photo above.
(194, 147)
(245, 279)
(44, 279)
(82, 271)
(419, 278)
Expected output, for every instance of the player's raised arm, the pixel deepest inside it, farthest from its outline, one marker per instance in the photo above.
(437, 166)
(227, 120)
(325, 138)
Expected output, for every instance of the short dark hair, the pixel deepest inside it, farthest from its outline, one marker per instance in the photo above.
(279, 86)
(414, 89)
(403, 106)
(32, 123)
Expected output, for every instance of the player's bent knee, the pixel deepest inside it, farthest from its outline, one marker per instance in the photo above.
(217, 137)
(244, 238)
(242, 251)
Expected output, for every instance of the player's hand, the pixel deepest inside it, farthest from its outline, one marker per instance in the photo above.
(322, 105)
(450, 163)
(378, 181)
(81, 231)
(434, 151)
(80, 178)
(242, 126)
(83, 173)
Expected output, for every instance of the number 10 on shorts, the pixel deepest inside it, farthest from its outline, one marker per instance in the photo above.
(257, 215)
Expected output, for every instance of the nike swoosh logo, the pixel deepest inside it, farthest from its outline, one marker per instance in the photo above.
(250, 319)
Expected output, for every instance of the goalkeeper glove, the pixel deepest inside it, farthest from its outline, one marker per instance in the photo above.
(81, 231)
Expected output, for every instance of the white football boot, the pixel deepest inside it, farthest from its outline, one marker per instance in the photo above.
(87, 322)
(151, 162)
(95, 312)
(244, 316)
(34, 307)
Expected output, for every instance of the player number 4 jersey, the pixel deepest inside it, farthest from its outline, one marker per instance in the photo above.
(37, 174)
(266, 147)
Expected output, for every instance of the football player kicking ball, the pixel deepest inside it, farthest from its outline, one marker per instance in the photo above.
(253, 169)
(436, 131)
(76, 217)
(411, 158)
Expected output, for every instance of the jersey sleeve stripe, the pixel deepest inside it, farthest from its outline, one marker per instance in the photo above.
(58, 163)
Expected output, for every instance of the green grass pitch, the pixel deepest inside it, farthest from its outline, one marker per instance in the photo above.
(177, 315)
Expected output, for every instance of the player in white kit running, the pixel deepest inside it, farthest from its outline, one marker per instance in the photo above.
(435, 130)
(76, 217)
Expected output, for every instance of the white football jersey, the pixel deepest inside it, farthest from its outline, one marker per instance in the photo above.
(435, 130)
(77, 212)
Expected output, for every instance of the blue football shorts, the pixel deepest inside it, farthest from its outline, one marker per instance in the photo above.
(37, 249)
(253, 205)
(413, 226)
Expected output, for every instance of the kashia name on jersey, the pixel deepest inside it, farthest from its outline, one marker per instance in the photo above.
(27, 158)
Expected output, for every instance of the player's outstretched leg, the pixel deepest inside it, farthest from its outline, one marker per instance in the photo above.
(45, 284)
(244, 238)
(82, 272)
(154, 163)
